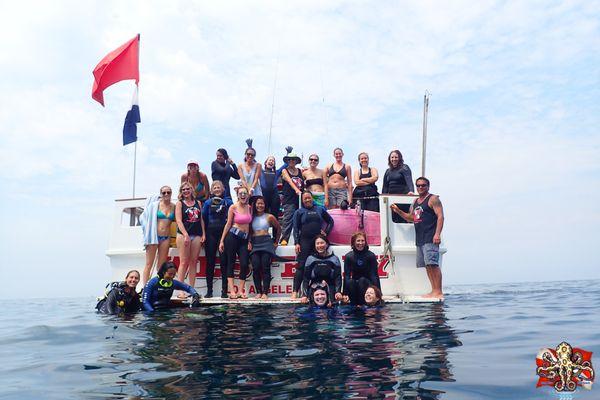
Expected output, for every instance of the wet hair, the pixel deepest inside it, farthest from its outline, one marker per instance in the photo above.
(167, 265)
(360, 154)
(305, 191)
(378, 294)
(355, 236)
(255, 200)
(224, 153)
(400, 159)
(338, 148)
(193, 194)
(311, 295)
(422, 178)
(321, 236)
(131, 272)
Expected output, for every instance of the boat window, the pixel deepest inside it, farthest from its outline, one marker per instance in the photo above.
(131, 216)
(397, 218)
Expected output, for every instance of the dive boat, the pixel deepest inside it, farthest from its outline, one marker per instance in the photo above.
(390, 237)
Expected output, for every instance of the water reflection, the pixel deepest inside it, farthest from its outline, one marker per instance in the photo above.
(284, 352)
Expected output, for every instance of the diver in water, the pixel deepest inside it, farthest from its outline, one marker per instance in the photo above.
(373, 296)
(323, 266)
(122, 297)
(318, 295)
(159, 290)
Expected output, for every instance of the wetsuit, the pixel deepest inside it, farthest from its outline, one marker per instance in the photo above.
(268, 183)
(223, 172)
(158, 293)
(323, 268)
(119, 301)
(308, 223)
(398, 181)
(360, 271)
(290, 202)
(214, 213)
(369, 190)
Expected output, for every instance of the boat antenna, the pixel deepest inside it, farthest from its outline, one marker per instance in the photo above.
(425, 112)
(323, 100)
(273, 100)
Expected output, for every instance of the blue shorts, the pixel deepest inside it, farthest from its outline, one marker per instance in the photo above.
(428, 255)
(162, 238)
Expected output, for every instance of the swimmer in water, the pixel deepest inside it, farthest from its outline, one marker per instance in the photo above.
(159, 290)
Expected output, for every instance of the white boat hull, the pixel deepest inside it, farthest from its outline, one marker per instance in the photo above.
(400, 280)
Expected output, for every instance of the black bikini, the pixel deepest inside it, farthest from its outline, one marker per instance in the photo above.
(341, 172)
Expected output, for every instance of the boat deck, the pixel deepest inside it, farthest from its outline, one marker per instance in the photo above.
(287, 300)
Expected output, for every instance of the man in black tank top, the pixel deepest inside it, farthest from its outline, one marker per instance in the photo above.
(427, 215)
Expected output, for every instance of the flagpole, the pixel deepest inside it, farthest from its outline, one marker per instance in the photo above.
(425, 111)
(134, 166)
(135, 145)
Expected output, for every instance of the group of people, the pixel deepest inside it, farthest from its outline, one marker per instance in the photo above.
(249, 229)
(321, 280)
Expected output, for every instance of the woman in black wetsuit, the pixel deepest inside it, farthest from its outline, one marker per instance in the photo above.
(214, 213)
(262, 246)
(122, 298)
(223, 169)
(398, 177)
(360, 269)
(364, 184)
(268, 183)
(309, 221)
(323, 267)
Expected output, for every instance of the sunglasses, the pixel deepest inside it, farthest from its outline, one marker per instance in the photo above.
(313, 159)
(421, 186)
(250, 154)
(186, 189)
(166, 193)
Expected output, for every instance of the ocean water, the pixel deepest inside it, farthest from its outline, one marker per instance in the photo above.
(481, 343)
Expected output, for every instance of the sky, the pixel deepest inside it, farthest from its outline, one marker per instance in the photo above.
(513, 129)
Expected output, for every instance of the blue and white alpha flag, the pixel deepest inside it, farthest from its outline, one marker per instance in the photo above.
(132, 118)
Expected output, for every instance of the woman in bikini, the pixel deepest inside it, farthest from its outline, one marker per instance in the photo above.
(234, 241)
(197, 179)
(250, 171)
(190, 233)
(156, 225)
(314, 180)
(338, 181)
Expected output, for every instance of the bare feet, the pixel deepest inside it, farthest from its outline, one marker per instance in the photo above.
(294, 295)
(265, 297)
(233, 296)
(258, 296)
(433, 295)
(243, 295)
